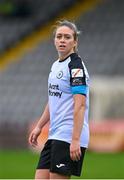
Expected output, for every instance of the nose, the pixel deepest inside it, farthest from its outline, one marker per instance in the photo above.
(62, 39)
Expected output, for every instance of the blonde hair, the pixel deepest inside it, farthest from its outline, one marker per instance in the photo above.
(70, 25)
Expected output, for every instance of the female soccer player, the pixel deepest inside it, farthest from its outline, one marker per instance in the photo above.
(67, 110)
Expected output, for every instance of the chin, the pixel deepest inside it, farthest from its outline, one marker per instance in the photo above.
(62, 52)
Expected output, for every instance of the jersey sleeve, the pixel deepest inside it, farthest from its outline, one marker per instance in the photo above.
(78, 78)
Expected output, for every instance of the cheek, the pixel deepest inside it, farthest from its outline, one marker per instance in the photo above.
(55, 42)
(71, 44)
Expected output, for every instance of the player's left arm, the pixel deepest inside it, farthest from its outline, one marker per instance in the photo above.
(79, 110)
(79, 88)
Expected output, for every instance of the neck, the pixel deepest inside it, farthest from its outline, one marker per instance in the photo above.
(63, 56)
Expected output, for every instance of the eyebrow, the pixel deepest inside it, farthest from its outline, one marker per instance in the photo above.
(63, 34)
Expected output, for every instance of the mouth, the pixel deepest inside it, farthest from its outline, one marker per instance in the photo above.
(62, 46)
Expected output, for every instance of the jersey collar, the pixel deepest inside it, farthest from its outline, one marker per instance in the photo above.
(71, 55)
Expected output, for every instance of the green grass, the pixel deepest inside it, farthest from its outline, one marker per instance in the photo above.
(22, 164)
(103, 166)
(17, 164)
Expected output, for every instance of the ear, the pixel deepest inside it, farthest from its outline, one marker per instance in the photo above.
(75, 43)
(54, 41)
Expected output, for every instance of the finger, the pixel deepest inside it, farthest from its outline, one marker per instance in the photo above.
(78, 153)
(72, 156)
(30, 139)
(75, 156)
(34, 145)
(34, 142)
(34, 138)
(78, 156)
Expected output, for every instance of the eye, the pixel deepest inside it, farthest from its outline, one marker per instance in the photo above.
(58, 36)
(68, 37)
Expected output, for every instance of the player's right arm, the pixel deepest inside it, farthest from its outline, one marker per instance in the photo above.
(40, 124)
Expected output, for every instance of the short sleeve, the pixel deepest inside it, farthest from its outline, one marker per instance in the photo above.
(78, 78)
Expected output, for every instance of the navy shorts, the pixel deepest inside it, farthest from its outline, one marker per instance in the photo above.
(56, 157)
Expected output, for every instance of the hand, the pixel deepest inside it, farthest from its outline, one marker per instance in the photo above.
(75, 150)
(34, 136)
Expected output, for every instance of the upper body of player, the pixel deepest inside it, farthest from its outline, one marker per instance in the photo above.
(68, 94)
(68, 79)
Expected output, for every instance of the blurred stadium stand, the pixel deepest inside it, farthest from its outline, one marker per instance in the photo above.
(102, 40)
(26, 16)
(23, 90)
(102, 46)
(21, 95)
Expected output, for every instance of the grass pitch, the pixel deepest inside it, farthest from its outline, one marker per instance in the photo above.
(22, 164)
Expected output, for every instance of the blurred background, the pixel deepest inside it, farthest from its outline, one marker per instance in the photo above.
(26, 55)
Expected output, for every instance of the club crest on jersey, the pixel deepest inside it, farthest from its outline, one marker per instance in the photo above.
(59, 74)
(77, 73)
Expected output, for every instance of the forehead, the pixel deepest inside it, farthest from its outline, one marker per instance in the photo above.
(64, 30)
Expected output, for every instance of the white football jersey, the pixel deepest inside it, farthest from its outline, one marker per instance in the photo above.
(67, 77)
